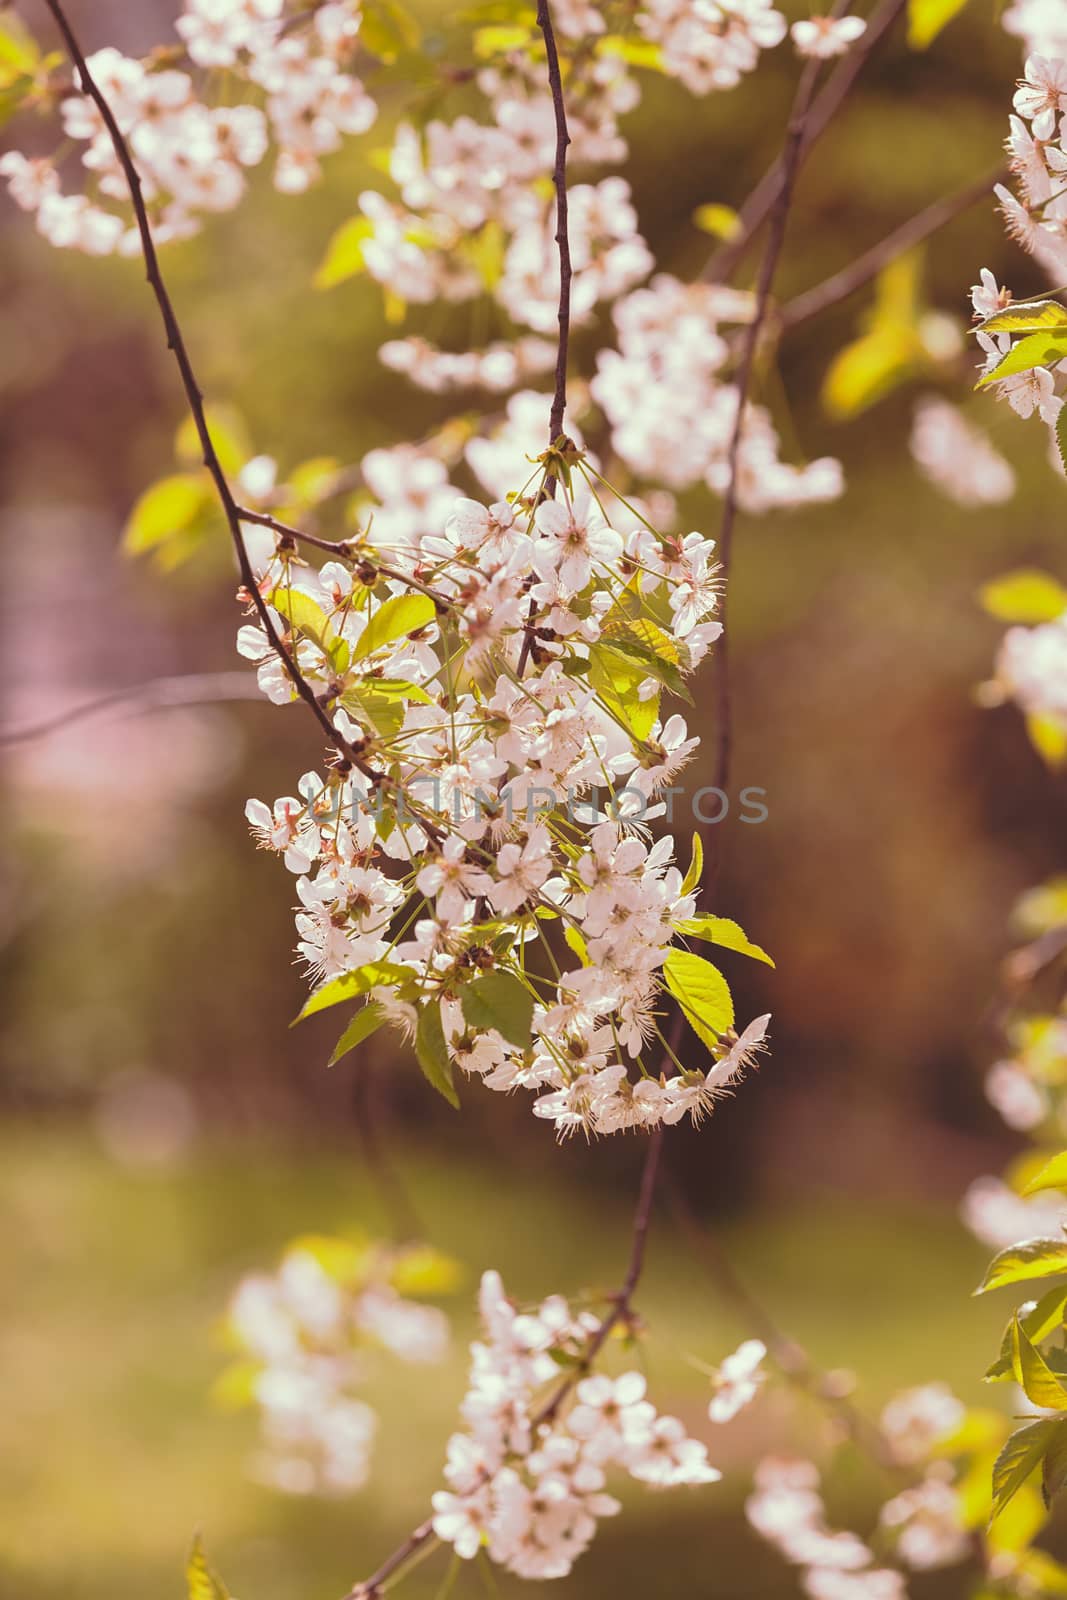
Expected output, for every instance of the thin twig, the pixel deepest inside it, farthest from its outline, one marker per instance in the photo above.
(789, 166)
(559, 183)
(346, 551)
(188, 689)
(761, 201)
(621, 1312)
(195, 400)
(873, 261)
(791, 1359)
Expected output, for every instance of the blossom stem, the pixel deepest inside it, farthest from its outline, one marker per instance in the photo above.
(559, 183)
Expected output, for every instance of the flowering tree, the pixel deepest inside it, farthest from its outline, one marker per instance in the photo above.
(492, 665)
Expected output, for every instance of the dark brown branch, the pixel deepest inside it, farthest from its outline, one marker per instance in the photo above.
(194, 397)
(789, 166)
(345, 551)
(621, 1312)
(761, 201)
(873, 261)
(559, 183)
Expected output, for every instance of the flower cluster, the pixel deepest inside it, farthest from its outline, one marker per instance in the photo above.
(481, 867)
(672, 409)
(711, 44)
(192, 156)
(527, 1478)
(786, 1509)
(304, 1337)
(957, 457)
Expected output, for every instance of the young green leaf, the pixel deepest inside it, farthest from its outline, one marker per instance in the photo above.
(302, 613)
(1053, 1175)
(498, 1000)
(1037, 1323)
(696, 867)
(394, 619)
(926, 18)
(432, 1052)
(617, 680)
(703, 994)
(201, 1582)
(1040, 1383)
(1036, 350)
(1026, 595)
(1054, 1466)
(365, 1022)
(1018, 1459)
(344, 254)
(350, 985)
(576, 943)
(722, 931)
(1034, 1258)
(165, 509)
(1028, 317)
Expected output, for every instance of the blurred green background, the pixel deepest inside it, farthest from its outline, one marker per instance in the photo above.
(163, 1131)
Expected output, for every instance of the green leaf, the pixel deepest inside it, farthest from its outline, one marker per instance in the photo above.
(432, 1052)
(635, 52)
(722, 222)
(640, 640)
(696, 866)
(1040, 1383)
(201, 1582)
(1049, 738)
(485, 252)
(703, 994)
(498, 1000)
(363, 1024)
(1018, 1460)
(1027, 317)
(1036, 350)
(926, 18)
(165, 509)
(12, 94)
(889, 352)
(720, 930)
(422, 1270)
(1026, 595)
(1034, 1258)
(304, 614)
(344, 253)
(1037, 1323)
(394, 619)
(498, 39)
(1061, 436)
(20, 55)
(616, 679)
(350, 985)
(576, 943)
(1053, 1175)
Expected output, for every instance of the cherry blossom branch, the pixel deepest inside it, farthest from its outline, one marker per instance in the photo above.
(873, 261)
(188, 689)
(761, 202)
(420, 1538)
(347, 551)
(195, 400)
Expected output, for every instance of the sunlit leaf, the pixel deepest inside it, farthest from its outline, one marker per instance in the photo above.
(635, 52)
(432, 1052)
(1026, 595)
(229, 436)
(1040, 1383)
(395, 619)
(350, 985)
(1037, 1323)
(344, 253)
(1034, 1258)
(926, 18)
(722, 931)
(499, 38)
(422, 1270)
(696, 866)
(1049, 738)
(1035, 350)
(722, 222)
(1054, 1466)
(305, 615)
(363, 1024)
(577, 944)
(498, 1000)
(617, 680)
(703, 994)
(1018, 1459)
(1027, 317)
(1053, 1175)
(20, 54)
(169, 507)
(201, 1582)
